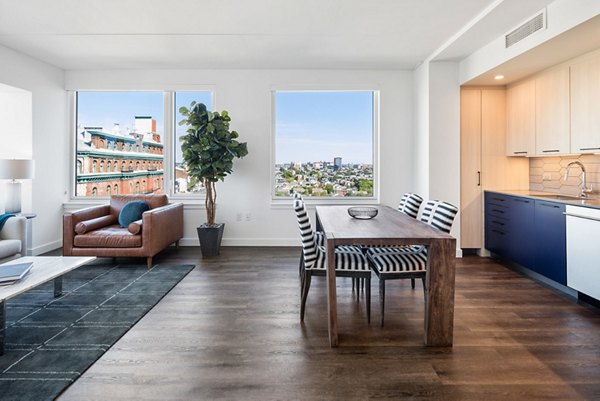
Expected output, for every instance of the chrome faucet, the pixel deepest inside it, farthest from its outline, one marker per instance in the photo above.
(584, 189)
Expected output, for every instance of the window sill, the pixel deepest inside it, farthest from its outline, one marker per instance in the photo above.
(286, 203)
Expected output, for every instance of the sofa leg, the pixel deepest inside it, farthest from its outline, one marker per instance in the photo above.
(149, 261)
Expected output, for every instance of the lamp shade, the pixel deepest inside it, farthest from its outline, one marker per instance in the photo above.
(16, 169)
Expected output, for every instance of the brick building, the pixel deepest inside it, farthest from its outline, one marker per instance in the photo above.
(120, 163)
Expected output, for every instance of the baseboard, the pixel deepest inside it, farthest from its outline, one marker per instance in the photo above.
(50, 246)
(190, 241)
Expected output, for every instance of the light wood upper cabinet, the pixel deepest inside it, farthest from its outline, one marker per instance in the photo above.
(520, 119)
(552, 136)
(585, 105)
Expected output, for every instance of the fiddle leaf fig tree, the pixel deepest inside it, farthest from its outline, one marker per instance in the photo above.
(208, 150)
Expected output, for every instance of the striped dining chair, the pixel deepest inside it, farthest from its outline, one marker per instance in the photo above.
(349, 260)
(410, 262)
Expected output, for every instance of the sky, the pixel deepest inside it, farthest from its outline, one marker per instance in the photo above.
(318, 126)
(103, 109)
(309, 126)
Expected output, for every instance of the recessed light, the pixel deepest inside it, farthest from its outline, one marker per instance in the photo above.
(499, 77)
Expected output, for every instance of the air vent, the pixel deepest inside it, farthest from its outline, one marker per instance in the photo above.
(528, 28)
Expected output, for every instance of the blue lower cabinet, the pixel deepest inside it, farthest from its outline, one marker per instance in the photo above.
(531, 233)
(521, 240)
(550, 250)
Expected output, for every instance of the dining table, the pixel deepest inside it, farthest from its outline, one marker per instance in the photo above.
(393, 228)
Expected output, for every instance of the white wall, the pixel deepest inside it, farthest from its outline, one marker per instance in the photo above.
(246, 94)
(561, 15)
(48, 144)
(421, 118)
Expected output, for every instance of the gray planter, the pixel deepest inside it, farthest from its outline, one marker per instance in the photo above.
(210, 238)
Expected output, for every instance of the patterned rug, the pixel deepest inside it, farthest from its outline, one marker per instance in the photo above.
(51, 341)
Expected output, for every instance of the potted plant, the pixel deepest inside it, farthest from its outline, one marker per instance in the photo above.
(208, 150)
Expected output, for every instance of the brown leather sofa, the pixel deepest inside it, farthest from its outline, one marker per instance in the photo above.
(95, 231)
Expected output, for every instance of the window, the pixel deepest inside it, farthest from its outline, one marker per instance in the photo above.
(324, 143)
(106, 118)
(184, 99)
(108, 190)
(122, 132)
(116, 189)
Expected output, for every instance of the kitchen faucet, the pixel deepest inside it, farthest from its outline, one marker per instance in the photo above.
(584, 189)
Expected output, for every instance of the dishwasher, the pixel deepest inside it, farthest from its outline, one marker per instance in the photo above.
(583, 250)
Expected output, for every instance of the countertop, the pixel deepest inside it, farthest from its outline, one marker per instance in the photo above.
(551, 197)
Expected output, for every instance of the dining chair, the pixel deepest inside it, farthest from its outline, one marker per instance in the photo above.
(410, 204)
(349, 261)
(407, 262)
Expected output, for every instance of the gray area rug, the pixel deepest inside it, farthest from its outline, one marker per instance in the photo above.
(51, 341)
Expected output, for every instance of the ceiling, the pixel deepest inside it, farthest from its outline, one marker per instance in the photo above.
(273, 34)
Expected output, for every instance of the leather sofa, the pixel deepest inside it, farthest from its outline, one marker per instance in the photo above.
(95, 231)
(13, 238)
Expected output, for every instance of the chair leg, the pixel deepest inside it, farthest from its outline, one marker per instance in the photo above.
(368, 296)
(301, 263)
(424, 289)
(382, 297)
(177, 244)
(305, 288)
(149, 261)
(412, 283)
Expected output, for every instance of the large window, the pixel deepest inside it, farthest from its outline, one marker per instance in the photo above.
(122, 146)
(324, 143)
(181, 181)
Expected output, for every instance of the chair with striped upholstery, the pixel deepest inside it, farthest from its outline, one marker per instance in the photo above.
(349, 260)
(410, 262)
(410, 204)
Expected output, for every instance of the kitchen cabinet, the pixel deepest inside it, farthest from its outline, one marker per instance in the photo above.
(552, 112)
(585, 105)
(520, 119)
(484, 164)
(531, 233)
(550, 252)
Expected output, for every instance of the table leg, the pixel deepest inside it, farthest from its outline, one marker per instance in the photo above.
(439, 310)
(331, 292)
(57, 286)
(2, 326)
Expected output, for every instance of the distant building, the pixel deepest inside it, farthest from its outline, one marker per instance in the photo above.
(337, 163)
(120, 163)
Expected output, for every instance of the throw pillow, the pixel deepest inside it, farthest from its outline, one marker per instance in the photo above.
(131, 212)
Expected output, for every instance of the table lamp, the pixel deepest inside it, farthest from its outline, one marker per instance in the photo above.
(15, 169)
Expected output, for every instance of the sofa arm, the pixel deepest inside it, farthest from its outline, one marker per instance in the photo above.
(162, 226)
(70, 220)
(16, 228)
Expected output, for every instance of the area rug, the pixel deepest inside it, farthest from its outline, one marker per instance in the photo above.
(51, 341)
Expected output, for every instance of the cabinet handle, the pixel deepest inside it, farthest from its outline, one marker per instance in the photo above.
(589, 148)
(499, 199)
(551, 151)
(498, 210)
(524, 152)
(522, 200)
(580, 216)
(479, 178)
(550, 205)
(497, 232)
(498, 222)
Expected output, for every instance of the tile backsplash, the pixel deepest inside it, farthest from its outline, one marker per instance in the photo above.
(546, 174)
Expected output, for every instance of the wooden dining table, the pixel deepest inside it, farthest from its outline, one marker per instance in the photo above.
(390, 227)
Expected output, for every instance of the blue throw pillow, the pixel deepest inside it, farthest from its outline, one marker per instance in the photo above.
(131, 212)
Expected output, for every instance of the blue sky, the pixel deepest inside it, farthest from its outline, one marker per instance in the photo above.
(318, 126)
(309, 126)
(106, 108)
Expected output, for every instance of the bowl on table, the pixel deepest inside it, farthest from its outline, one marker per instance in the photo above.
(362, 212)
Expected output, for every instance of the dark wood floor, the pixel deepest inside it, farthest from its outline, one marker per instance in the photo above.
(231, 330)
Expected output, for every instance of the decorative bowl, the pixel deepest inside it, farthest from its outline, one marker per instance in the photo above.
(363, 212)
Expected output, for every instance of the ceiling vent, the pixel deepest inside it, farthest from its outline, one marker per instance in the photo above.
(527, 29)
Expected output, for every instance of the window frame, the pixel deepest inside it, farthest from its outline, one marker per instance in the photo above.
(169, 124)
(317, 200)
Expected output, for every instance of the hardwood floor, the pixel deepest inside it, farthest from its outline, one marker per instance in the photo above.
(231, 330)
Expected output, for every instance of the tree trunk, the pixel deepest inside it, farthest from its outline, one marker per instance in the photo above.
(210, 202)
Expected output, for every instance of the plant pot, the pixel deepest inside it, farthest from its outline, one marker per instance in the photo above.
(210, 238)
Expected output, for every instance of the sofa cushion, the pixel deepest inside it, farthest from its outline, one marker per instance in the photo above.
(153, 200)
(113, 236)
(9, 247)
(131, 212)
(88, 225)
